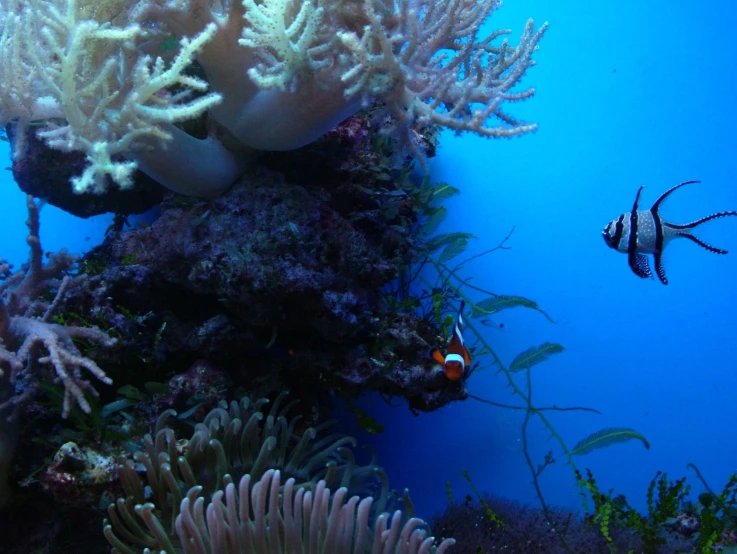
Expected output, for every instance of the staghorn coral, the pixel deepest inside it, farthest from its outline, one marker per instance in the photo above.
(285, 519)
(104, 78)
(232, 441)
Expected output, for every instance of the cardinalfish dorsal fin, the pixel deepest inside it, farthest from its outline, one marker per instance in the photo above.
(659, 201)
(637, 198)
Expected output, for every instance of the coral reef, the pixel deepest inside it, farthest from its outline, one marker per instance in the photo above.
(44, 173)
(284, 284)
(79, 476)
(34, 348)
(525, 529)
(710, 524)
(112, 78)
(26, 322)
(279, 283)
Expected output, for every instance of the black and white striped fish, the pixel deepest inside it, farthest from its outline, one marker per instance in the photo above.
(642, 232)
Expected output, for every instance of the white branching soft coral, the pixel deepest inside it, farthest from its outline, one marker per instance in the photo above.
(33, 347)
(423, 58)
(100, 77)
(31, 344)
(92, 85)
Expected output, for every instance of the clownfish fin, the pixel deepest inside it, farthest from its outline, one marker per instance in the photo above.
(437, 356)
(467, 371)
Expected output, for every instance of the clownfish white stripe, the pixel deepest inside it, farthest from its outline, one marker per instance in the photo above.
(459, 329)
(456, 358)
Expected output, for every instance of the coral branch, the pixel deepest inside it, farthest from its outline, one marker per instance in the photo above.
(30, 341)
(96, 78)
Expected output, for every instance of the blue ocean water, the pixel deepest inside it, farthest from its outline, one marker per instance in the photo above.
(628, 93)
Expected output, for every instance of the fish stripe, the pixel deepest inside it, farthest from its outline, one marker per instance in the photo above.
(459, 331)
(632, 245)
(659, 267)
(618, 231)
(635, 259)
(459, 323)
(658, 225)
(455, 358)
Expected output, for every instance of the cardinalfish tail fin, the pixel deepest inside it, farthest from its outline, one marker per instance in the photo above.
(698, 222)
(702, 244)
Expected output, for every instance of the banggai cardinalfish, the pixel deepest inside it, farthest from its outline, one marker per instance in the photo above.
(642, 232)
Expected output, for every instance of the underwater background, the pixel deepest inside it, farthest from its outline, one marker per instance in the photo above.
(628, 94)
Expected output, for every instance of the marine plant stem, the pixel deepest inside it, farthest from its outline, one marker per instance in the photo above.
(542, 409)
(446, 274)
(525, 450)
(441, 269)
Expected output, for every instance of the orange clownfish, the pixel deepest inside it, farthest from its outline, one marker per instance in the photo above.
(457, 357)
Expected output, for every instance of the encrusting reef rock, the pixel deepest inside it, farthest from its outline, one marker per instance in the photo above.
(280, 281)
